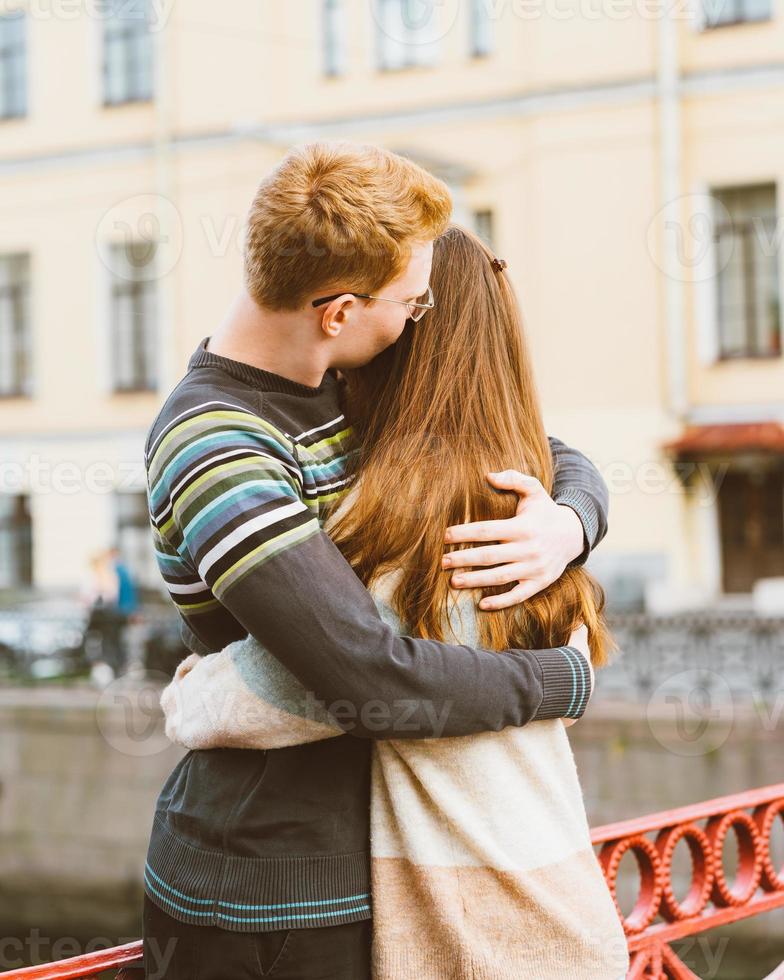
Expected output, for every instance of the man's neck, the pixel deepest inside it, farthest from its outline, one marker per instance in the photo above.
(276, 341)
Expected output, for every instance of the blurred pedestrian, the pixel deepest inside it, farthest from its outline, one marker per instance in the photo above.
(127, 600)
(113, 601)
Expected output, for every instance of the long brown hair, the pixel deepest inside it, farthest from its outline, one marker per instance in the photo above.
(452, 400)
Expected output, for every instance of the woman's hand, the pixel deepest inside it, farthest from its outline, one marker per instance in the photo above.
(534, 547)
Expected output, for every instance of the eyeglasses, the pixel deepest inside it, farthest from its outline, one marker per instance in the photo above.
(416, 308)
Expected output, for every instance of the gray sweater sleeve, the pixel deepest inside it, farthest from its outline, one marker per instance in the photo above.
(257, 560)
(308, 608)
(579, 485)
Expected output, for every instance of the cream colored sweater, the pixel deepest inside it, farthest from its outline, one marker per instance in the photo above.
(482, 865)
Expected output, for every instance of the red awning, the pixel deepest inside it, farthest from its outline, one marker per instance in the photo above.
(741, 437)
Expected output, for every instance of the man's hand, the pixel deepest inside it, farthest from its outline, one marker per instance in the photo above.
(534, 547)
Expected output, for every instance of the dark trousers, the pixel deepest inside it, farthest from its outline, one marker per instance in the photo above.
(176, 951)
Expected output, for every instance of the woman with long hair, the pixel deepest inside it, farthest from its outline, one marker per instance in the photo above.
(482, 865)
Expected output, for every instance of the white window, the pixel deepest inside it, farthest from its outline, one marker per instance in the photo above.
(482, 34)
(15, 326)
(16, 542)
(334, 32)
(127, 51)
(134, 539)
(133, 316)
(484, 226)
(748, 293)
(13, 66)
(720, 13)
(407, 33)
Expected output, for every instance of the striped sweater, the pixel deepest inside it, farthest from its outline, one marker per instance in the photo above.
(243, 468)
(481, 860)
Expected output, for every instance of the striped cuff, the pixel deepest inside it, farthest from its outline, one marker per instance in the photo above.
(566, 679)
(584, 506)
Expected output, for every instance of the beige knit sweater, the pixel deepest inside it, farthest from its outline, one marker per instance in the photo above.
(482, 866)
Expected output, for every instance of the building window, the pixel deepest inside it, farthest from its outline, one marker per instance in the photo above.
(481, 29)
(748, 297)
(134, 540)
(722, 13)
(13, 66)
(127, 52)
(16, 542)
(751, 523)
(483, 226)
(334, 37)
(407, 33)
(15, 326)
(133, 316)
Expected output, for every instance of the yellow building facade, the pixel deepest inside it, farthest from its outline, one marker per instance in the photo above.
(626, 158)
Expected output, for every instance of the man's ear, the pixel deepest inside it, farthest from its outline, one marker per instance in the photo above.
(336, 314)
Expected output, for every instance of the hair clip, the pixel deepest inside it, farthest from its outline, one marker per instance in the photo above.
(499, 265)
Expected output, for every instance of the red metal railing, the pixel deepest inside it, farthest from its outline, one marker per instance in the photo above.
(127, 957)
(657, 917)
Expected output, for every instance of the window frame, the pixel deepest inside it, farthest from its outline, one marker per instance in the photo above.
(129, 38)
(428, 50)
(752, 271)
(134, 540)
(482, 34)
(484, 222)
(142, 294)
(333, 15)
(17, 287)
(17, 525)
(711, 25)
(13, 67)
